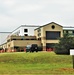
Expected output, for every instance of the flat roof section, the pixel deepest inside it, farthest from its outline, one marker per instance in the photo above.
(68, 28)
(26, 26)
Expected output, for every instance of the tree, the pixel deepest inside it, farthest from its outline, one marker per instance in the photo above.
(65, 44)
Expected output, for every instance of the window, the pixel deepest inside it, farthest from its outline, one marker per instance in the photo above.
(13, 39)
(67, 31)
(39, 38)
(25, 30)
(8, 45)
(52, 26)
(39, 34)
(25, 34)
(39, 30)
(64, 31)
(70, 32)
(73, 32)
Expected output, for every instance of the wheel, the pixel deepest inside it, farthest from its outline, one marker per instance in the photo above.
(36, 50)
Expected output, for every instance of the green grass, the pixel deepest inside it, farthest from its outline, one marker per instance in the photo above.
(41, 63)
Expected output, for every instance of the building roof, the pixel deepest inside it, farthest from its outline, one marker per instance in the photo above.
(29, 26)
(48, 24)
(68, 28)
(26, 26)
(5, 32)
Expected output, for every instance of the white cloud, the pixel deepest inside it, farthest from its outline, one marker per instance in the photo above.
(26, 8)
(9, 2)
(16, 12)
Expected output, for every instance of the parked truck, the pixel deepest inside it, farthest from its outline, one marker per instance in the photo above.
(33, 47)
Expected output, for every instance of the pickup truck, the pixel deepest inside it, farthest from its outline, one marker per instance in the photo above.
(32, 48)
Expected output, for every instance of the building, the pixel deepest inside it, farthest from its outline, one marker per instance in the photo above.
(20, 42)
(68, 30)
(18, 36)
(49, 34)
(24, 30)
(46, 36)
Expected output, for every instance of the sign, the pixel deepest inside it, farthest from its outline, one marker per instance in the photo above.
(71, 51)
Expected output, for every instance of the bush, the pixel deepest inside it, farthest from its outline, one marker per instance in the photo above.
(65, 44)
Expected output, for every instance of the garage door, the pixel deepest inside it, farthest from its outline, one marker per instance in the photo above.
(52, 35)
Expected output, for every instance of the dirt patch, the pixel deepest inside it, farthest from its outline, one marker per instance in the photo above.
(67, 69)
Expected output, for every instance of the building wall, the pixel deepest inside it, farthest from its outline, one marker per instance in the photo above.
(21, 44)
(20, 30)
(30, 31)
(19, 41)
(26, 42)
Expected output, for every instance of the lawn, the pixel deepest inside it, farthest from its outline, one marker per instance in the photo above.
(40, 63)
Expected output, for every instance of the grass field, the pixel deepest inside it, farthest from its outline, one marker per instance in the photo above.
(40, 63)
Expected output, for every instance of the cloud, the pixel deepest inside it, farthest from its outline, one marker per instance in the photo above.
(9, 2)
(37, 12)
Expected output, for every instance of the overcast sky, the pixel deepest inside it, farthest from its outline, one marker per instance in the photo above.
(14, 13)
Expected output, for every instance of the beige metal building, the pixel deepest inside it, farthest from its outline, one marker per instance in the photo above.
(48, 34)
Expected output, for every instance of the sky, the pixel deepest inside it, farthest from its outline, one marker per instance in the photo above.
(14, 13)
